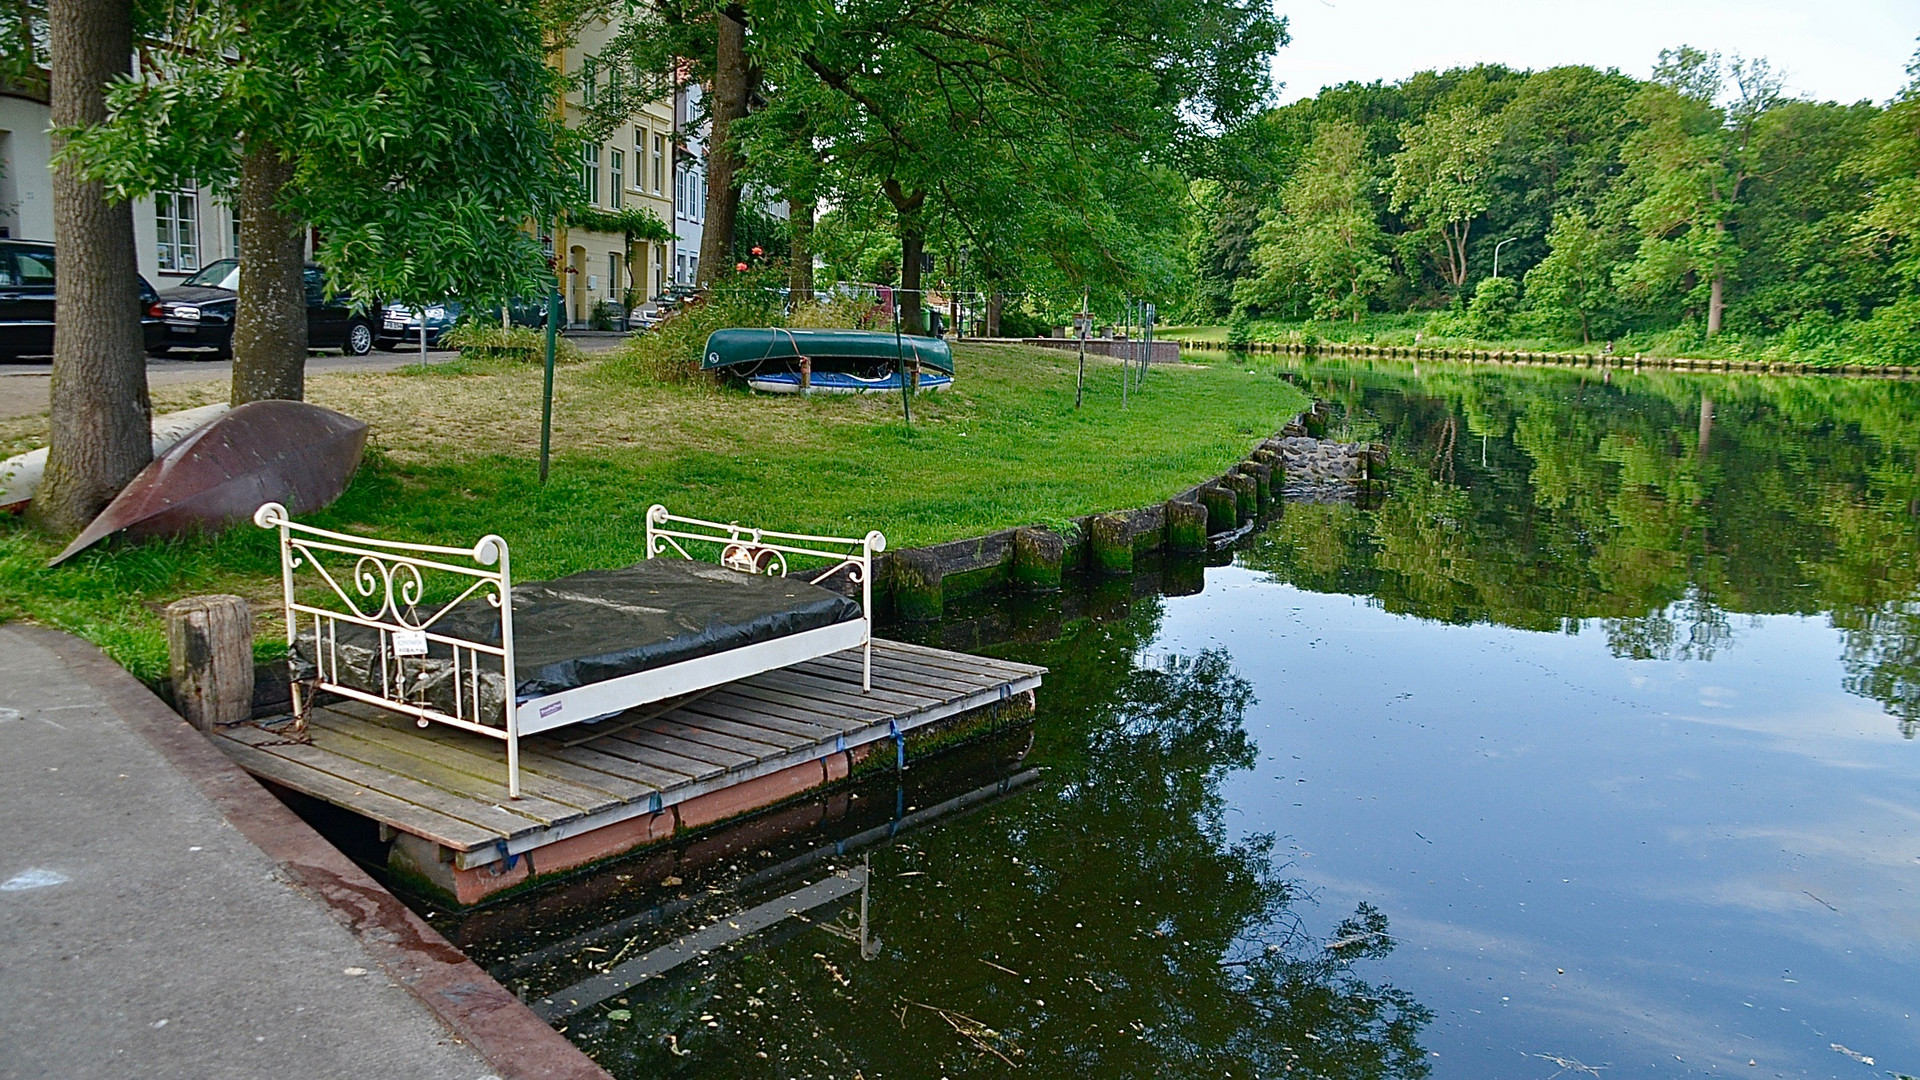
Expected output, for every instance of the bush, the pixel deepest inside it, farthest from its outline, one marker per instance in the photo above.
(1239, 329)
(672, 351)
(606, 315)
(1019, 322)
(517, 344)
(1490, 314)
(1890, 336)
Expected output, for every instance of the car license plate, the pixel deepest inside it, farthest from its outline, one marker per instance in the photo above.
(395, 324)
(183, 329)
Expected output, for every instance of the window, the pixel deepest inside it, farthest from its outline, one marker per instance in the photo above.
(659, 163)
(616, 179)
(176, 216)
(660, 264)
(613, 273)
(680, 193)
(697, 194)
(679, 266)
(589, 77)
(590, 172)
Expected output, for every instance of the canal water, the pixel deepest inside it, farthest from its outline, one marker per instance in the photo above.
(1587, 750)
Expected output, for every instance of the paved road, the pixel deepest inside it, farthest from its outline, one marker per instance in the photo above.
(141, 934)
(23, 384)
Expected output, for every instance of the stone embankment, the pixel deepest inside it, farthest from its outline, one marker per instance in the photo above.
(1551, 359)
(1298, 464)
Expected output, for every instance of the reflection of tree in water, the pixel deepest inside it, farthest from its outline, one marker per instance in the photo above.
(1692, 629)
(1883, 659)
(1574, 499)
(1105, 924)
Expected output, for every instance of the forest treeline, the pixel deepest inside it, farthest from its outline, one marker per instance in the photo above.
(1702, 206)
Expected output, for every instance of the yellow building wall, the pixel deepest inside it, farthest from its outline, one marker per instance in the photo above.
(639, 154)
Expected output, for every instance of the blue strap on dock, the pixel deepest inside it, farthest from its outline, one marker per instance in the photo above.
(509, 858)
(653, 802)
(899, 745)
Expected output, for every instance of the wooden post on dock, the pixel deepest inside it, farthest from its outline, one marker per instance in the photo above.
(210, 654)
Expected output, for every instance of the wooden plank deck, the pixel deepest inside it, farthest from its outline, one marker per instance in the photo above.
(449, 786)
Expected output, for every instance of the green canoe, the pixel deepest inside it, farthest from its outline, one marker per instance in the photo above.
(739, 346)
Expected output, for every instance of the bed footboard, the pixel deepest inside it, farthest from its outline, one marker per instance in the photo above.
(365, 621)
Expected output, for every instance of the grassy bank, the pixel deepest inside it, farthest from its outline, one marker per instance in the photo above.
(454, 456)
(1400, 330)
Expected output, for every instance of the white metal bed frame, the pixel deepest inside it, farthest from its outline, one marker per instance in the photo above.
(389, 580)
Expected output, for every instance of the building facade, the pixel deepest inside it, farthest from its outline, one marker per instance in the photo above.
(633, 166)
(176, 233)
(689, 184)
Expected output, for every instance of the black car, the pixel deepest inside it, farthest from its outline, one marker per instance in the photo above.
(26, 301)
(199, 314)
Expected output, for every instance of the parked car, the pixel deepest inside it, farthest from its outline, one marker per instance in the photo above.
(199, 314)
(400, 323)
(26, 301)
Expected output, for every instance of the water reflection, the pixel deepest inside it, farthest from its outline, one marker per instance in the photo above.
(1661, 504)
(1104, 920)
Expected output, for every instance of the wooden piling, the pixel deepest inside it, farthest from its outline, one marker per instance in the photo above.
(1263, 482)
(1223, 514)
(210, 654)
(916, 586)
(1246, 493)
(1039, 556)
(1112, 541)
(1186, 527)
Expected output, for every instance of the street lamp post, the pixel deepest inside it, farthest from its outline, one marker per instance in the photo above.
(1496, 253)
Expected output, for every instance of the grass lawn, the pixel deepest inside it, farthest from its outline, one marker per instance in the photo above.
(454, 455)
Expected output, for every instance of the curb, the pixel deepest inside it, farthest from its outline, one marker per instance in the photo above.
(476, 1009)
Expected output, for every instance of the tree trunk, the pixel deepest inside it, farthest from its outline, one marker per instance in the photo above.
(101, 418)
(1706, 424)
(723, 157)
(800, 249)
(906, 208)
(995, 300)
(912, 311)
(270, 317)
(1716, 302)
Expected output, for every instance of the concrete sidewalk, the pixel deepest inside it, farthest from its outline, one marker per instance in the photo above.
(161, 915)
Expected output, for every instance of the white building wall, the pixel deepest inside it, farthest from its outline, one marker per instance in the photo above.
(26, 198)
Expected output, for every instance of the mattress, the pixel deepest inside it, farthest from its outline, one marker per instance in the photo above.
(587, 628)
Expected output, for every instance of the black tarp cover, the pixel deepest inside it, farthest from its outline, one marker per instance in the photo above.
(596, 625)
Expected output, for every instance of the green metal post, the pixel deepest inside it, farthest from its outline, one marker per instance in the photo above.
(546, 391)
(900, 362)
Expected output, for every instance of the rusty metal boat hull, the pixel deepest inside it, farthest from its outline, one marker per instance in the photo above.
(289, 452)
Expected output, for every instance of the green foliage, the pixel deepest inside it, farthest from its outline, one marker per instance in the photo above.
(423, 136)
(1322, 245)
(1442, 179)
(1495, 300)
(636, 223)
(1632, 209)
(1239, 330)
(482, 340)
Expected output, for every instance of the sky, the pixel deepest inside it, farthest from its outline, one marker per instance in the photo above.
(1840, 50)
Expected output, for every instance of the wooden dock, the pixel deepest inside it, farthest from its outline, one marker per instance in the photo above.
(590, 792)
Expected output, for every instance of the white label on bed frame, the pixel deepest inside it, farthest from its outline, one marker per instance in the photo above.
(409, 643)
